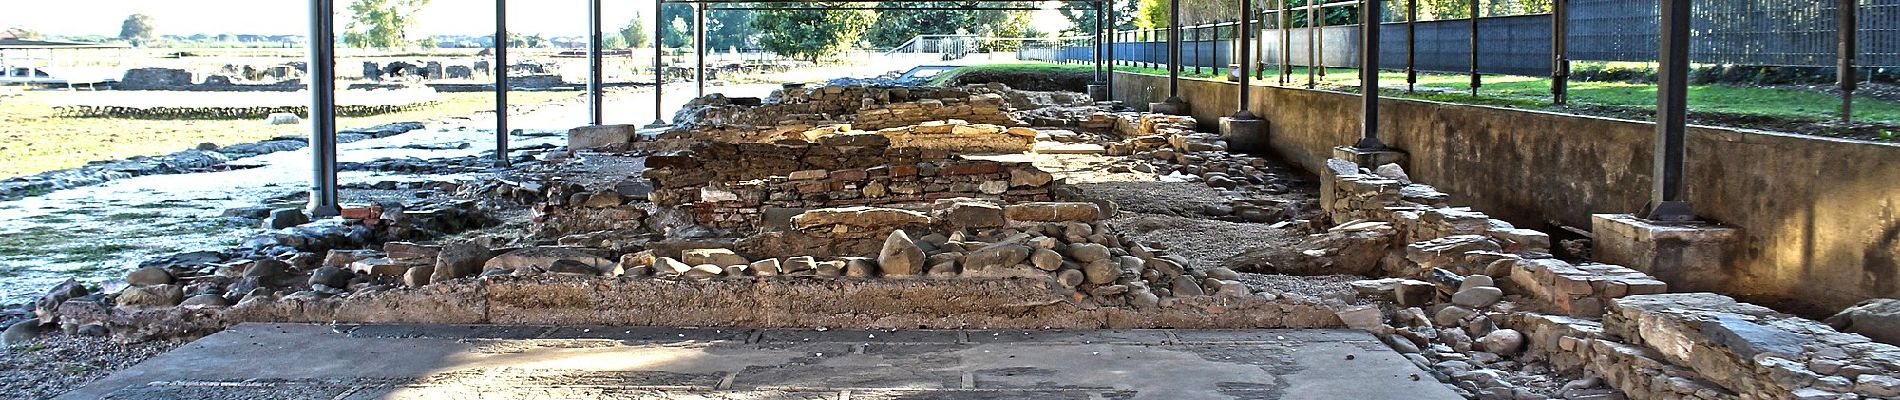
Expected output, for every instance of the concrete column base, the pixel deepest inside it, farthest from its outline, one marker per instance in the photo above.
(1689, 256)
(1098, 92)
(1369, 158)
(1171, 106)
(1244, 135)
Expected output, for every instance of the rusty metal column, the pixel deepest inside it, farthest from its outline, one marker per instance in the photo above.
(1560, 51)
(1475, 81)
(1848, 22)
(501, 83)
(1411, 45)
(1369, 75)
(699, 42)
(1666, 197)
(595, 97)
(659, 65)
(322, 46)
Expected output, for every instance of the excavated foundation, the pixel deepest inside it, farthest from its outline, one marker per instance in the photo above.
(757, 302)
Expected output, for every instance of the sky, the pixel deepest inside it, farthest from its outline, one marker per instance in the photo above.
(289, 17)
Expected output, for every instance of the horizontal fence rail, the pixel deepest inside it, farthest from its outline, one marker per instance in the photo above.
(1794, 33)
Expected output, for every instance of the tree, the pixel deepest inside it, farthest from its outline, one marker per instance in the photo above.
(677, 29)
(381, 24)
(894, 27)
(613, 42)
(138, 29)
(810, 34)
(678, 34)
(635, 33)
(729, 29)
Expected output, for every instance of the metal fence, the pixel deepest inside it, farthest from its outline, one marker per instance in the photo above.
(1738, 32)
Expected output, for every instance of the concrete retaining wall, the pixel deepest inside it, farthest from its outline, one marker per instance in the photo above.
(1820, 218)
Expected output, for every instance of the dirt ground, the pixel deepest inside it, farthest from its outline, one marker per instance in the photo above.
(59, 363)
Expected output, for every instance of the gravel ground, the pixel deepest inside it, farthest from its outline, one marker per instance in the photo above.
(58, 363)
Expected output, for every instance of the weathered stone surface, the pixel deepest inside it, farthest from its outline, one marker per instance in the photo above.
(1477, 297)
(542, 257)
(148, 276)
(1053, 212)
(1878, 319)
(21, 332)
(457, 261)
(869, 217)
(900, 256)
(166, 295)
(719, 257)
(969, 213)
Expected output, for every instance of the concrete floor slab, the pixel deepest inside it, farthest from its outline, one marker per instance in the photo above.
(453, 362)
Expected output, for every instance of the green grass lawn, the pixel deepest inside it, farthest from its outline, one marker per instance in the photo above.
(34, 138)
(1534, 92)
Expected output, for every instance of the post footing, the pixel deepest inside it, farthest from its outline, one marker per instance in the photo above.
(1244, 133)
(1098, 91)
(1369, 158)
(1171, 106)
(1690, 256)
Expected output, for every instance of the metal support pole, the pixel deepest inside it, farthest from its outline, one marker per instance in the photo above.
(1475, 80)
(1285, 19)
(1312, 43)
(595, 97)
(1174, 50)
(1260, 47)
(1369, 75)
(1098, 38)
(1319, 45)
(699, 43)
(659, 64)
(1560, 50)
(1196, 33)
(501, 83)
(322, 45)
(1848, 23)
(1411, 45)
(1666, 200)
(1108, 78)
(1241, 36)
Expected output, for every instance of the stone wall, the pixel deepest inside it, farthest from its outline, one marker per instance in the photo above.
(1649, 344)
(1814, 245)
(733, 185)
(868, 107)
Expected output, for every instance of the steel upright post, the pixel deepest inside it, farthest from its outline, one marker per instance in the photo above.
(1666, 198)
(699, 47)
(595, 105)
(1848, 23)
(659, 65)
(1369, 75)
(1411, 45)
(1560, 52)
(1475, 80)
(501, 83)
(322, 45)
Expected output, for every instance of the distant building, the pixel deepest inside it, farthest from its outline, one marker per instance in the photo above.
(35, 62)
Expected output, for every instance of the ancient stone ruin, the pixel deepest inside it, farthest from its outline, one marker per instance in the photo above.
(984, 207)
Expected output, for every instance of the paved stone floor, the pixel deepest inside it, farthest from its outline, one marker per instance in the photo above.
(300, 361)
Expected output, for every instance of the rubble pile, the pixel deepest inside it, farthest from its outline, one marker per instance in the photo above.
(1486, 307)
